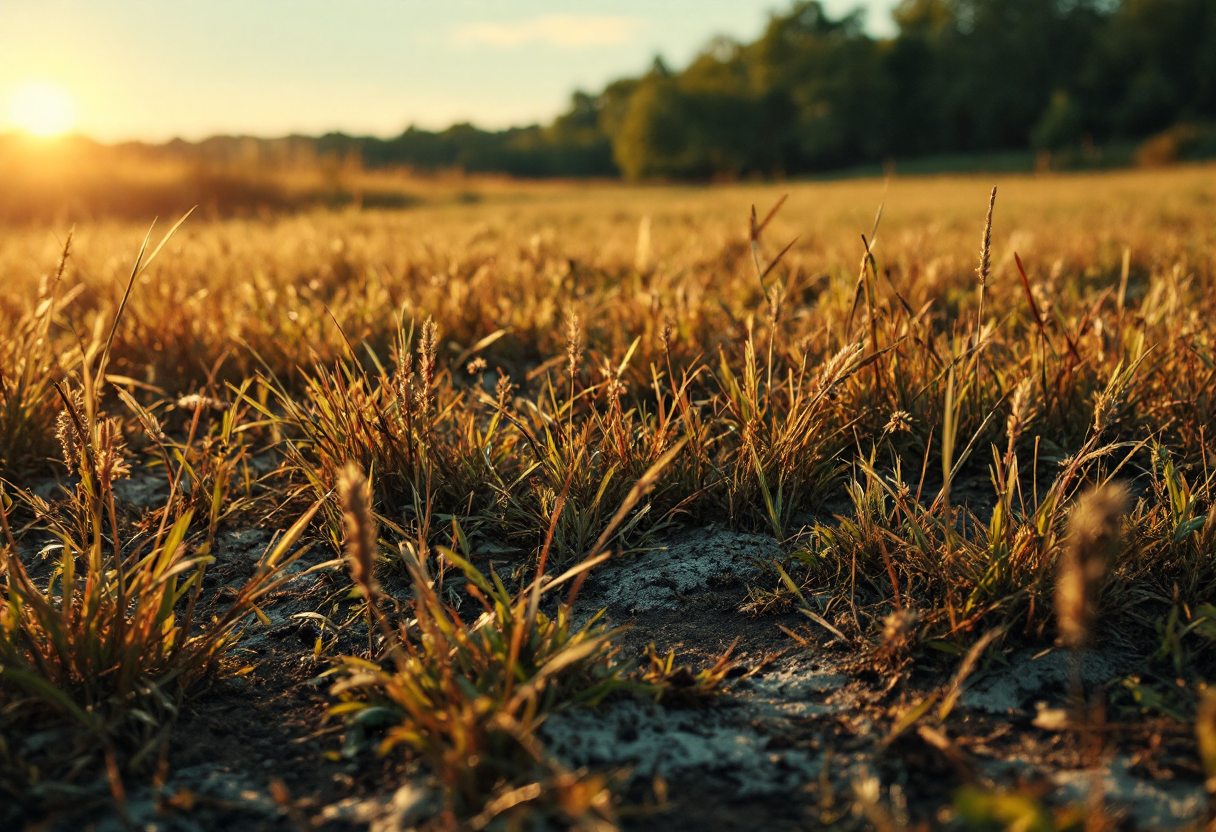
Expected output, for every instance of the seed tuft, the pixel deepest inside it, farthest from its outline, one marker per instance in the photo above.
(1094, 541)
(355, 494)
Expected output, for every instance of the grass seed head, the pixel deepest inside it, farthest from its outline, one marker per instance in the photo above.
(65, 432)
(1105, 407)
(68, 427)
(1094, 540)
(503, 389)
(900, 422)
(428, 347)
(574, 343)
(403, 382)
(1019, 411)
(838, 366)
(899, 629)
(111, 461)
(985, 266)
(355, 493)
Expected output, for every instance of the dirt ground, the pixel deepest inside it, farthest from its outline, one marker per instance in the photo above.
(803, 737)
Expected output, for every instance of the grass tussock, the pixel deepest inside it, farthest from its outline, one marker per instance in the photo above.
(101, 634)
(467, 696)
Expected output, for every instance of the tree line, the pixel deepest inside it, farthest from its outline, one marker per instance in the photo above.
(817, 93)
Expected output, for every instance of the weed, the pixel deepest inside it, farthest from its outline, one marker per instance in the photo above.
(467, 697)
(109, 638)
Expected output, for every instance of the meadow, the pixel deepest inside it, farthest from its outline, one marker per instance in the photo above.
(327, 500)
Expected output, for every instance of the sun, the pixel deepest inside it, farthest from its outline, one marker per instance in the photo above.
(42, 109)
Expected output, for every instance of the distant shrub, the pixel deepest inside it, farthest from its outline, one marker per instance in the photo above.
(1182, 142)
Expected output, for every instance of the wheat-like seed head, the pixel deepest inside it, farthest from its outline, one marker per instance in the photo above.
(403, 381)
(428, 347)
(355, 493)
(1094, 540)
(65, 432)
(1019, 412)
(838, 366)
(986, 242)
(68, 434)
(574, 343)
(1106, 406)
(111, 461)
(153, 428)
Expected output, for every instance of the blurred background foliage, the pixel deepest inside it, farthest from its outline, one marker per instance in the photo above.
(814, 93)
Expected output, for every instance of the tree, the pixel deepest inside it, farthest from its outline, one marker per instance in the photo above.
(815, 92)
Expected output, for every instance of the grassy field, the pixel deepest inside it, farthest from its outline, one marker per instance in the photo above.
(352, 482)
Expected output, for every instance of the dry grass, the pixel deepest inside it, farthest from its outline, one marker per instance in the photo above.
(511, 374)
(106, 638)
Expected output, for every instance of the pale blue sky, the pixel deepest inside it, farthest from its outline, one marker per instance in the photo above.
(152, 69)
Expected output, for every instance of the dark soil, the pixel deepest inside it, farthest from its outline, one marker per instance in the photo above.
(233, 739)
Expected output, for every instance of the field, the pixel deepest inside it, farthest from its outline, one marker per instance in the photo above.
(858, 504)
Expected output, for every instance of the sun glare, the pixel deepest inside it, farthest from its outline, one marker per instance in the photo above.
(42, 109)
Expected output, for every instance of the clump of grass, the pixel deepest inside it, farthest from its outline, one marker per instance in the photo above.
(965, 575)
(106, 641)
(681, 686)
(507, 467)
(467, 697)
(29, 367)
(433, 449)
(109, 641)
(784, 454)
(589, 443)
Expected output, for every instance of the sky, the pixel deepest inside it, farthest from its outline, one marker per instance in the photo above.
(157, 69)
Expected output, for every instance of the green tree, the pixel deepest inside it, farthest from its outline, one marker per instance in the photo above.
(815, 92)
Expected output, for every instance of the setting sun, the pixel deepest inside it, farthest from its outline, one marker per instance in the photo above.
(42, 109)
